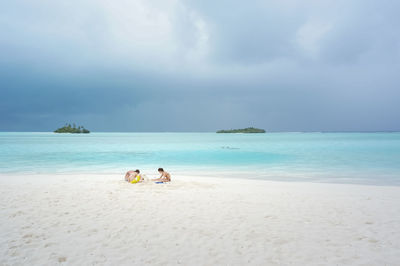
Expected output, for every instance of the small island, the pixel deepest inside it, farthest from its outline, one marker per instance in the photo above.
(243, 130)
(72, 129)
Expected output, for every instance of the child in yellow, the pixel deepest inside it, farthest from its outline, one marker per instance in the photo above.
(133, 176)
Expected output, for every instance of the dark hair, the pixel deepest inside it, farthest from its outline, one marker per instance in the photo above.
(137, 171)
(160, 170)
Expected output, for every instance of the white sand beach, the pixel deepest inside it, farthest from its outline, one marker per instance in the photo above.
(102, 220)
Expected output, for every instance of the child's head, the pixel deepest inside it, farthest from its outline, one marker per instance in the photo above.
(160, 170)
(137, 171)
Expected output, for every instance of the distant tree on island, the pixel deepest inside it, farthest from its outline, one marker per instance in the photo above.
(242, 130)
(72, 129)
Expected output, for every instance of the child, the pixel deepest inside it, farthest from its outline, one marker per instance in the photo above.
(133, 176)
(165, 176)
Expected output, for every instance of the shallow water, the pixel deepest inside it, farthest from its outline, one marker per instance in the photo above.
(327, 157)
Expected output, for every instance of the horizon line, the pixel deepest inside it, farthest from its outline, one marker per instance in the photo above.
(328, 131)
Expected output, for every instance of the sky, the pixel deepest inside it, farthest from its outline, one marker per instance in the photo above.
(172, 65)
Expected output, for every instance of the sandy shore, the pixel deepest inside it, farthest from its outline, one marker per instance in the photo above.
(102, 220)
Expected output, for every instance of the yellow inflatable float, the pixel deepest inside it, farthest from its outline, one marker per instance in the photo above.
(136, 179)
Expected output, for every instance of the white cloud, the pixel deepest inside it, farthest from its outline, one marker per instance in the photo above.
(309, 36)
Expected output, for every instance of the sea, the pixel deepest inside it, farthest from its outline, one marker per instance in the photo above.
(359, 158)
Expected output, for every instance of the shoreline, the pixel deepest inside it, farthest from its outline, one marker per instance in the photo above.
(225, 175)
(101, 219)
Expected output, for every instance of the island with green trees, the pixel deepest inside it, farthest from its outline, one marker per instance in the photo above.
(242, 130)
(72, 129)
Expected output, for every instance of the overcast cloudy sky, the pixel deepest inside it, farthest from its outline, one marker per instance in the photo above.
(171, 65)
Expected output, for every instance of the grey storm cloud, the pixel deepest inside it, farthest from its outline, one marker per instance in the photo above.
(200, 65)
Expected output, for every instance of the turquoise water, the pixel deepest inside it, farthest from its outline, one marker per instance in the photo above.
(326, 157)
